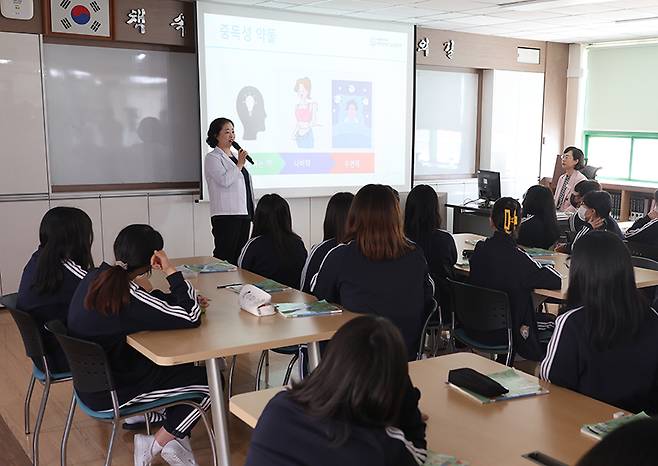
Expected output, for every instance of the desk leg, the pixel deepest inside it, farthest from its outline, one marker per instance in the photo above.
(313, 355)
(218, 412)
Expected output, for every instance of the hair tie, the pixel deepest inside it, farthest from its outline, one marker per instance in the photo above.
(511, 219)
(121, 264)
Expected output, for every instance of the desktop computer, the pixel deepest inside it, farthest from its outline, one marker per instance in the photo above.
(488, 187)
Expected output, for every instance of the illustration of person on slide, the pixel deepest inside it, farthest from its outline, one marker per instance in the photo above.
(305, 114)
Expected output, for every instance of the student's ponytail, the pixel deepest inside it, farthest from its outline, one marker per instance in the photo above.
(109, 293)
(506, 215)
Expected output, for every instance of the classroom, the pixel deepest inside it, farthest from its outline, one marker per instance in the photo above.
(322, 232)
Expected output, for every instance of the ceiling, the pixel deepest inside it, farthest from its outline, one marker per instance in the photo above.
(584, 21)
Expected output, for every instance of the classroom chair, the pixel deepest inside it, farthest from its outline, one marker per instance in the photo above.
(91, 373)
(482, 310)
(642, 250)
(433, 324)
(35, 350)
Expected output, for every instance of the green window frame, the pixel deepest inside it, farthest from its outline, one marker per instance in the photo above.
(633, 136)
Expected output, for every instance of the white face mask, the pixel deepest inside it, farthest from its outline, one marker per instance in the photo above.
(581, 212)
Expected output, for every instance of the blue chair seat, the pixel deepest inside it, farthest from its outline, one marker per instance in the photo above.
(139, 407)
(41, 377)
(460, 335)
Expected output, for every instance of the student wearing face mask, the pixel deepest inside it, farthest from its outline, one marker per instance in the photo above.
(577, 221)
(597, 214)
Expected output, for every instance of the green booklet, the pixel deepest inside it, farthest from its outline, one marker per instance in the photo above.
(601, 429)
(318, 308)
(267, 285)
(437, 459)
(211, 267)
(519, 385)
(535, 252)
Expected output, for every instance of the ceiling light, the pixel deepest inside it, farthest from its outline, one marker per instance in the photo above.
(636, 20)
(530, 5)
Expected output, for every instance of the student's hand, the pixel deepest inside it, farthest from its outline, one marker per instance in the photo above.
(424, 417)
(160, 261)
(242, 158)
(561, 248)
(597, 223)
(203, 301)
(653, 214)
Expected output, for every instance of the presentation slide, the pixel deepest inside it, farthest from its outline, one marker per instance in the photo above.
(320, 107)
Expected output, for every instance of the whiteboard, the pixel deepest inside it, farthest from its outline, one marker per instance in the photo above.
(121, 116)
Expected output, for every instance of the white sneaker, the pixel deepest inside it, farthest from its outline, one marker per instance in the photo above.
(178, 452)
(144, 451)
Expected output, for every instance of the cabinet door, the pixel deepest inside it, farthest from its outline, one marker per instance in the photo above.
(203, 240)
(119, 212)
(93, 208)
(173, 217)
(19, 238)
(23, 161)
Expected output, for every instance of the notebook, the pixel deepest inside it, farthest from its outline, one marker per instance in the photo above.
(535, 252)
(437, 459)
(267, 285)
(519, 386)
(318, 308)
(211, 267)
(601, 429)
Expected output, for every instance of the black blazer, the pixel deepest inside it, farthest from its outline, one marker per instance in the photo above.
(313, 261)
(534, 234)
(259, 256)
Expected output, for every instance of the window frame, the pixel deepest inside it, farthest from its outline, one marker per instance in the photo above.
(632, 135)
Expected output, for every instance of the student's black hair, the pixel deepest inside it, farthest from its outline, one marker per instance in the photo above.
(272, 218)
(65, 233)
(335, 218)
(601, 279)
(215, 127)
(538, 201)
(133, 249)
(631, 444)
(421, 215)
(655, 196)
(361, 379)
(600, 201)
(587, 186)
(506, 215)
(578, 156)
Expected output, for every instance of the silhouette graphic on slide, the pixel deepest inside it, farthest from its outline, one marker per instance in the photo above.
(251, 110)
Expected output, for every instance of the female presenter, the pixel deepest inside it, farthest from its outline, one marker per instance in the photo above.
(230, 190)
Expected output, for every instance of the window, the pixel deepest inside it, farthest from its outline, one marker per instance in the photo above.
(623, 156)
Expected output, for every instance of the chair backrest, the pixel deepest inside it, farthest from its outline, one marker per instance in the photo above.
(29, 330)
(87, 360)
(644, 263)
(642, 250)
(480, 309)
(590, 171)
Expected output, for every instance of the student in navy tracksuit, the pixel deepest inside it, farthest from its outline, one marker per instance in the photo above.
(597, 213)
(577, 221)
(335, 219)
(645, 230)
(421, 225)
(108, 305)
(54, 272)
(274, 250)
(378, 271)
(538, 228)
(358, 408)
(498, 263)
(605, 346)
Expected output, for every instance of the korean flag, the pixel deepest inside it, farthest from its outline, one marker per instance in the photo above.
(89, 17)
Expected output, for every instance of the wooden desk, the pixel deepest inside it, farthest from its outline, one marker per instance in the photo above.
(484, 435)
(643, 277)
(226, 330)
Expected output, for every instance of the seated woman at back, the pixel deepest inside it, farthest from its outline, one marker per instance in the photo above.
(335, 219)
(605, 345)
(108, 305)
(357, 408)
(538, 228)
(598, 205)
(274, 250)
(498, 263)
(378, 271)
(54, 272)
(573, 160)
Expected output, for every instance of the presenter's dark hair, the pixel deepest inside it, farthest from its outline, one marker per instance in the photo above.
(506, 215)
(272, 218)
(578, 156)
(600, 201)
(421, 215)
(375, 224)
(361, 379)
(215, 127)
(538, 201)
(65, 233)
(601, 279)
(133, 247)
(632, 444)
(335, 218)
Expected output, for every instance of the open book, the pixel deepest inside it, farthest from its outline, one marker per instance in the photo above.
(537, 252)
(211, 267)
(601, 429)
(318, 308)
(267, 285)
(519, 385)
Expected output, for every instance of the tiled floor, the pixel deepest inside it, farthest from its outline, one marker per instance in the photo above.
(88, 441)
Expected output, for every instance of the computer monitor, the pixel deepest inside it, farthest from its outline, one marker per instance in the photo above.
(488, 186)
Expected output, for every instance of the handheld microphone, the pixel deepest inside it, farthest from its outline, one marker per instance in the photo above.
(237, 147)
